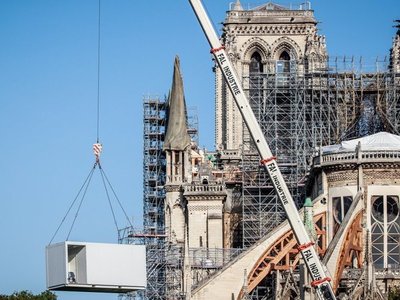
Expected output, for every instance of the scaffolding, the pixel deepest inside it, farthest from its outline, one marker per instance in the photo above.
(193, 124)
(154, 120)
(302, 109)
(162, 258)
(154, 168)
(155, 263)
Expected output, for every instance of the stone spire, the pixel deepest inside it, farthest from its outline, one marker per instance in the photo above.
(177, 137)
(237, 6)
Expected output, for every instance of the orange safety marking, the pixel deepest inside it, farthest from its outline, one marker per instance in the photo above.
(217, 49)
(267, 160)
(305, 246)
(320, 281)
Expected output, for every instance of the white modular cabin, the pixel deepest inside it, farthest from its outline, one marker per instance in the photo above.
(95, 267)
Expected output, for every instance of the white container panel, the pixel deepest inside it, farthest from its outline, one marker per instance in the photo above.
(121, 265)
(77, 266)
(56, 265)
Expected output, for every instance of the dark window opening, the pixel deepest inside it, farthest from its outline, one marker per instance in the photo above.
(377, 208)
(341, 206)
(392, 208)
(284, 56)
(256, 65)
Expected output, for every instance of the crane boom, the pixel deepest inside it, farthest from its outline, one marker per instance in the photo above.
(320, 281)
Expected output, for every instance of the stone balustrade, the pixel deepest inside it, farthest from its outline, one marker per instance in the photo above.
(366, 156)
(217, 188)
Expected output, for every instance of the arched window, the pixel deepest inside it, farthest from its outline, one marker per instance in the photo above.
(385, 230)
(341, 206)
(283, 68)
(255, 78)
(255, 63)
(283, 64)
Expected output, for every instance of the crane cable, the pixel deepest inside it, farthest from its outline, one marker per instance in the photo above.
(80, 203)
(105, 182)
(84, 185)
(98, 73)
(103, 175)
(97, 148)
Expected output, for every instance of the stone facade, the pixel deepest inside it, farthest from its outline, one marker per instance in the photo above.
(362, 180)
(205, 218)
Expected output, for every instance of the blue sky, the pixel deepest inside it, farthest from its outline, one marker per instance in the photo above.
(48, 94)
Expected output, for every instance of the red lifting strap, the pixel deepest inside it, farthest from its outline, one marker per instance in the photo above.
(267, 160)
(217, 49)
(305, 246)
(320, 281)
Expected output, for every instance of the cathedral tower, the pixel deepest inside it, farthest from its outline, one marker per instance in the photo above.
(266, 39)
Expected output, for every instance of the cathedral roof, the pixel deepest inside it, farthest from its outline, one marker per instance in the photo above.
(270, 6)
(377, 141)
(177, 137)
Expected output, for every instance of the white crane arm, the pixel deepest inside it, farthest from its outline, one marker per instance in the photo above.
(320, 281)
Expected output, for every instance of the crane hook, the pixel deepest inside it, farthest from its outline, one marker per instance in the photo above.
(97, 148)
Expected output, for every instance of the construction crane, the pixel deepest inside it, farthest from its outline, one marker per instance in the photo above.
(321, 281)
